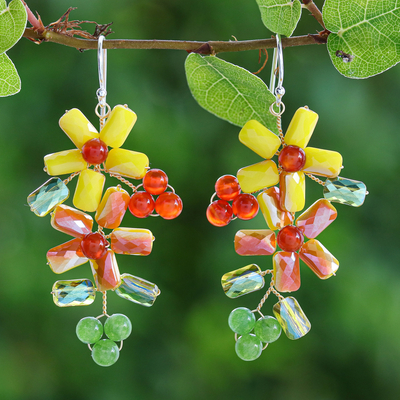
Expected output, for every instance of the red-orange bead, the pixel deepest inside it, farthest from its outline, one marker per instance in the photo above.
(155, 181)
(219, 213)
(141, 204)
(94, 151)
(227, 187)
(245, 206)
(94, 245)
(168, 205)
(292, 158)
(290, 238)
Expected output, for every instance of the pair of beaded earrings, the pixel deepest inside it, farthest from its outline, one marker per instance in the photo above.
(92, 159)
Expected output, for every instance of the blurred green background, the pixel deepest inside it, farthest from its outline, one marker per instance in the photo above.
(182, 347)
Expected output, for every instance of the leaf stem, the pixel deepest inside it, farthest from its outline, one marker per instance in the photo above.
(211, 47)
(314, 10)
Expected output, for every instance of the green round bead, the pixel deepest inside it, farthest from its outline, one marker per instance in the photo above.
(248, 347)
(105, 353)
(89, 330)
(241, 320)
(267, 329)
(118, 327)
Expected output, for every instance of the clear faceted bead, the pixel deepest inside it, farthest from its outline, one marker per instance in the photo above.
(79, 292)
(345, 191)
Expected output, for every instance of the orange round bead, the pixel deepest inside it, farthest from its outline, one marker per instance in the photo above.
(169, 205)
(141, 204)
(94, 151)
(227, 187)
(290, 238)
(94, 245)
(245, 206)
(219, 213)
(292, 158)
(155, 181)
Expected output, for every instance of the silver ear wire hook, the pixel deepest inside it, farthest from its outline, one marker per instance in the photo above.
(277, 69)
(102, 66)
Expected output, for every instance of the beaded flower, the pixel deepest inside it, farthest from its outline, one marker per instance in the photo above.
(92, 150)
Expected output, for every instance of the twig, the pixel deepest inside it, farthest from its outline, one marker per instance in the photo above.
(314, 10)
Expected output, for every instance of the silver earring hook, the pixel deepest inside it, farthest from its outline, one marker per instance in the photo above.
(102, 65)
(277, 65)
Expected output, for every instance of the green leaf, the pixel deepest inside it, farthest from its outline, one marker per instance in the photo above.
(9, 79)
(228, 91)
(280, 16)
(12, 23)
(366, 35)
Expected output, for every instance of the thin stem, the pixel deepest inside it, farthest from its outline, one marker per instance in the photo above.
(314, 10)
(211, 47)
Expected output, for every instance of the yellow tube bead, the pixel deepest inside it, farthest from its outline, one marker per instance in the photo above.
(77, 127)
(258, 176)
(259, 139)
(88, 190)
(127, 163)
(64, 162)
(301, 127)
(323, 162)
(118, 125)
(293, 191)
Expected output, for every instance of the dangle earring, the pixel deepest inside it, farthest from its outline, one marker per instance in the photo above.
(89, 162)
(279, 206)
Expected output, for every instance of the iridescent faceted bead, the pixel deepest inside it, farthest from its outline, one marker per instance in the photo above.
(286, 271)
(155, 181)
(141, 204)
(105, 353)
(316, 218)
(66, 256)
(319, 259)
(71, 221)
(290, 238)
(106, 272)
(241, 320)
(134, 241)
(291, 318)
(301, 127)
(255, 242)
(242, 281)
(94, 245)
(118, 327)
(112, 207)
(64, 162)
(131, 164)
(94, 151)
(89, 330)
(267, 329)
(219, 213)
(292, 191)
(275, 217)
(137, 290)
(48, 196)
(88, 190)
(292, 158)
(323, 162)
(77, 127)
(168, 205)
(78, 292)
(345, 191)
(259, 139)
(248, 347)
(245, 206)
(119, 123)
(258, 176)
(227, 187)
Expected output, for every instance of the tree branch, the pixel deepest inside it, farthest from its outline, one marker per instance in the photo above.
(211, 47)
(314, 10)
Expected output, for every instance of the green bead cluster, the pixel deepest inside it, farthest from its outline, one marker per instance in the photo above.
(105, 352)
(249, 346)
